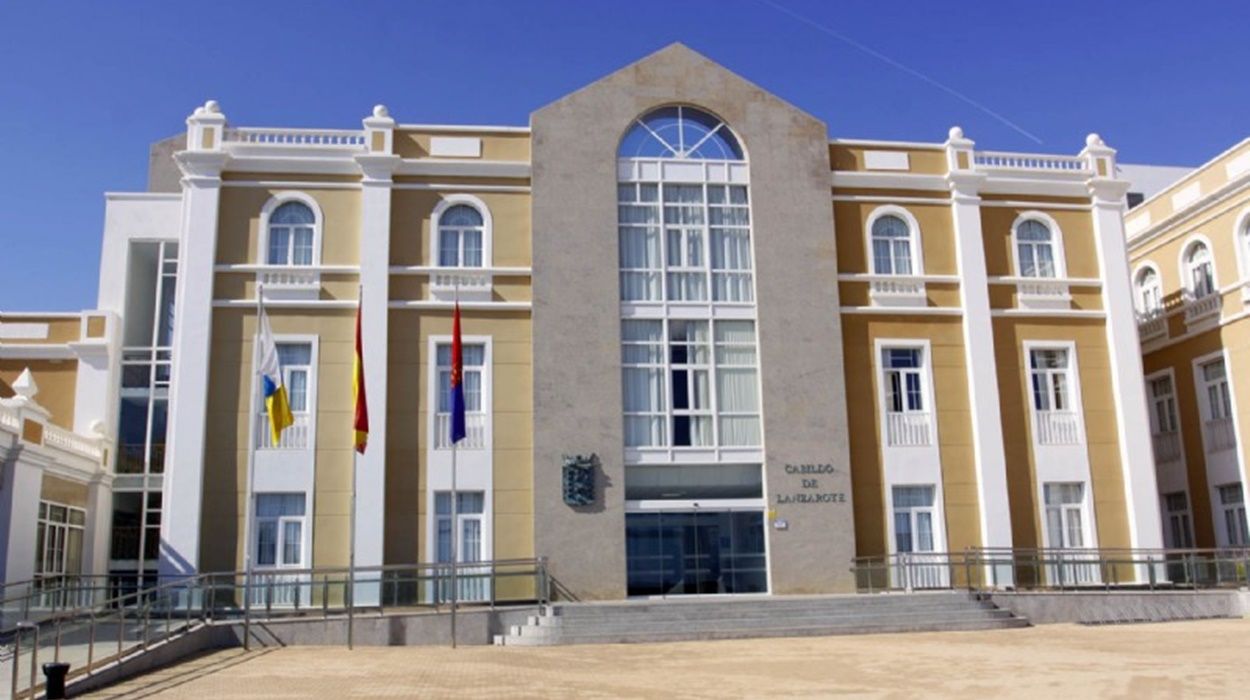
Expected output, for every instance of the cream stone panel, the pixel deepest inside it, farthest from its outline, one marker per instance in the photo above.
(920, 160)
(513, 146)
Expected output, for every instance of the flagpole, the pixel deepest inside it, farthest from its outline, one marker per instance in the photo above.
(455, 497)
(251, 475)
(351, 548)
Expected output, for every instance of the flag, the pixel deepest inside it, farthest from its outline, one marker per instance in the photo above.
(457, 380)
(360, 422)
(276, 403)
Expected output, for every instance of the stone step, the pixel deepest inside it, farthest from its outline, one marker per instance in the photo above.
(694, 611)
(752, 614)
(626, 637)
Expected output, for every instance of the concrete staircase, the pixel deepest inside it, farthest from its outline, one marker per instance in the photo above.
(741, 618)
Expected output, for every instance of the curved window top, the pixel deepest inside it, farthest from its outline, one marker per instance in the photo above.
(1198, 253)
(293, 213)
(680, 132)
(460, 215)
(890, 226)
(1033, 230)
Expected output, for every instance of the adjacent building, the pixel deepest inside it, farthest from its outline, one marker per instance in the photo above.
(781, 351)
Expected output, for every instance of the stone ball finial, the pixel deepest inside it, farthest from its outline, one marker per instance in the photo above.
(955, 133)
(212, 107)
(1094, 140)
(381, 112)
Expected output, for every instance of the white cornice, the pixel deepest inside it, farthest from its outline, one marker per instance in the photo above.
(143, 196)
(36, 351)
(1052, 313)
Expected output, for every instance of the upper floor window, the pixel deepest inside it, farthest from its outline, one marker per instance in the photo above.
(904, 387)
(473, 357)
(1036, 249)
(460, 230)
(1233, 507)
(292, 234)
(280, 529)
(1049, 372)
(1149, 292)
(1219, 402)
(1199, 272)
(680, 132)
(295, 360)
(891, 246)
(1163, 400)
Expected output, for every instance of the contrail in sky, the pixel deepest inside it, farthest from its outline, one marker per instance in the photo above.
(906, 69)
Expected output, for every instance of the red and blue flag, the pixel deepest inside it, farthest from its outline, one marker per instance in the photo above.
(457, 380)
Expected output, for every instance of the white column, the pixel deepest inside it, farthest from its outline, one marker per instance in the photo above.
(95, 554)
(1141, 493)
(201, 167)
(982, 367)
(375, 245)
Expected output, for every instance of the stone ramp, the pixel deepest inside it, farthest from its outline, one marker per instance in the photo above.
(741, 618)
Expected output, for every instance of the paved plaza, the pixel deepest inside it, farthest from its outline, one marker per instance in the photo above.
(1180, 659)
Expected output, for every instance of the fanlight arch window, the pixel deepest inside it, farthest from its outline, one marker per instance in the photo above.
(461, 229)
(1037, 251)
(893, 246)
(680, 132)
(1199, 270)
(292, 234)
(1149, 291)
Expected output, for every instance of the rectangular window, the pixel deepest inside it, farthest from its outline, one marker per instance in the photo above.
(1233, 506)
(1065, 527)
(1179, 529)
(1163, 402)
(904, 387)
(690, 383)
(470, 511)
(639, 230)
(1049, 371)
(59, 540)
(280, 525)
(913, 518)
(1218, 401)
(473, 358)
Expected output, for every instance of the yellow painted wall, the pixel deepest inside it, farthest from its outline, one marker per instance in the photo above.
(410, 226)
(56, 380)
(936, 236)
(415, 143)
(239, 224)
(1080, 252)
(929, 161)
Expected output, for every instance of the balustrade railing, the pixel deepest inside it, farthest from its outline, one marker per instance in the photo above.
(1058, 427)
(908, 429)
(1167, 446)
(290, 278)
(474, 428)
(8, 419)
(1202, 307)
(1220, 434)
(1151, 326)
(297, 436)
(903, 288)
(1002, 160)
(465, 282)
(1042, 288)
(319, 138)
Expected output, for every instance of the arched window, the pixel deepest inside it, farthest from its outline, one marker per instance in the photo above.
(460, 233)
(1036, 249)
(1149, 291)
(682, 133)
(891, 246)
(1199, 273)
(292, 234)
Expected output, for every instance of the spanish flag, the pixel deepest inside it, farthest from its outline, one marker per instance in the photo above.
(276, 403)
(360, 424)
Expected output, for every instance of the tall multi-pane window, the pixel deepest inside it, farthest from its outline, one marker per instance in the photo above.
(913, 518)
(1198, 271)
(280, 522)
(295, 359)
(1179, 528)
(891, 246)
(460, 230)
(291, 235)
(1163, 404)
(1219, 402)
(904, 381)
(470, 507)
(1051, 380)
(1233, 508)
(1149, 292)
(1035, 249)
(473, 358)
(58, 541)
(1065, 526)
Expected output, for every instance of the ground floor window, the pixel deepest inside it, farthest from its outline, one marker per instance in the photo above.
(1065, 522)
(1233, 507)
(913, 519)
(695, 551)
(58, 540)
(470, 546)
(1179, 528)
(280, 530)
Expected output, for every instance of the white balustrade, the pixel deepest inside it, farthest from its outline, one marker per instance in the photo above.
(8, 419)
(296, 436)
(474, 428)
(910, 287)
(908, 429)
(1220, 434)
(312, 138)
(1167, 446)
(72, 442)
(1151, 326)
(1202, 307)
(1058, 428)
(1001, 160)
(466, 283)
(290, 277)
(1043, 288)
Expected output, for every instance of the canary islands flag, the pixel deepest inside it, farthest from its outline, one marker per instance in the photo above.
(276, 404)
(360, 420)
(457, 380)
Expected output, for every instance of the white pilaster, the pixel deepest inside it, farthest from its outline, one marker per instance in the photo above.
(201, 167)
(1141, 493)
(375, 245)
(982, 367)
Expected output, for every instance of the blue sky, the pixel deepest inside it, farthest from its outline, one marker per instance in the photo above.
(85, 87)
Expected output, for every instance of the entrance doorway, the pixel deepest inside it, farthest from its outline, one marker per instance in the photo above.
(703, 551)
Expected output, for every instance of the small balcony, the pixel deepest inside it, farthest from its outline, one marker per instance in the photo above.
(1204, 309)
(900, 290)
(1167, 447)
(297, 436)
(1058, 428)
(1220, 435)
(1152, 325)
(474, 428)
(1042, 293)
(909, 429)
(466, 284)
(290, 281)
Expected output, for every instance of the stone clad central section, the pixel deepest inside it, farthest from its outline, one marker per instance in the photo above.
(577, 327)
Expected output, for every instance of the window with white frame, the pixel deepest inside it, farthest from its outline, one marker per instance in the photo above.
(904, 380)
(914, 518)
(1149, 292)
(1199, 272)
(473, 358)
(1233, 508)
(460, 234)
(295, 359)
(690, 383)
(1035, 249)
(470, 513)
(1215, 381)
(1051, 379)
(59, 540)
(1163, 416)
(292, 234)
(280, 523)
(1065, 519)
(892, 252)
(1179, 527)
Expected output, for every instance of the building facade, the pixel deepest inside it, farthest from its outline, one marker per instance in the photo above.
(779, 351)
(1189, 250)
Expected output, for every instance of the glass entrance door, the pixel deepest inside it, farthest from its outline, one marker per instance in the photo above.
(695, 552)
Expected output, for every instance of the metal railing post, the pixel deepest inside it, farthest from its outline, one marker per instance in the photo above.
(17, 657)
(325, 597)
(56, 654)
(91, 642)
(34, 660)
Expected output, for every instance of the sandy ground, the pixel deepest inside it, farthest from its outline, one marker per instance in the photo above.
(1179, 659)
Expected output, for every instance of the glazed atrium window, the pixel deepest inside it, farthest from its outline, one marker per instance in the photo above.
(291, 236)
(460, 237)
